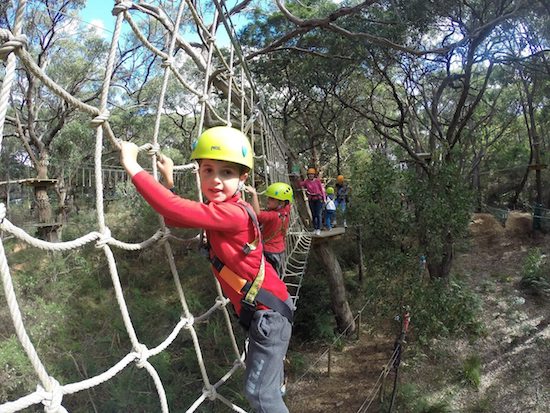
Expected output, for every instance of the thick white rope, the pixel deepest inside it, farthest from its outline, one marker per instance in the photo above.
(6, 49)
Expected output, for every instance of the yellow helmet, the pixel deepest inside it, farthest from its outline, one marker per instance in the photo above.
(340, 179)
(223, 143)
(280, 191)
(311, 171)
(330, 190)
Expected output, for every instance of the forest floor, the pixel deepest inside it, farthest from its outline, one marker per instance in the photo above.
(514, 352)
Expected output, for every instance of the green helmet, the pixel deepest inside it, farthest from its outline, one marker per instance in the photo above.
(223, 143)
(280, 191)
(330, 190)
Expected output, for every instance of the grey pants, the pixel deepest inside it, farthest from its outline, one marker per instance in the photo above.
(276, 260)
(269, 335)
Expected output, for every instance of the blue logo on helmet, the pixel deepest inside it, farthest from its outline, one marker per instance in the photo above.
(244, 151)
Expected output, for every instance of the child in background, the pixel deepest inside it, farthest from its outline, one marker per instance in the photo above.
(225, 158)
(342, 196)
(316, 198)
(330, 208)
(274, 220)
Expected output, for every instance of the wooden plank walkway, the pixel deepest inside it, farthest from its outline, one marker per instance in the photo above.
(332, 233)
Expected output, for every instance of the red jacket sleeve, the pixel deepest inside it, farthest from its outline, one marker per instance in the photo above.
(181, 212)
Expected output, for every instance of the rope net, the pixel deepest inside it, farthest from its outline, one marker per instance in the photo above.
(216, 82)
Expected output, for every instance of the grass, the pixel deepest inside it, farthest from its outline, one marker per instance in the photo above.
(471, 371)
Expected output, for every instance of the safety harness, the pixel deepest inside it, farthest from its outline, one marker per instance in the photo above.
(253, 292)
(282, 229)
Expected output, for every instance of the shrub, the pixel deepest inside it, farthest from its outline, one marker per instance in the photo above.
(535, 274)
(471, 371)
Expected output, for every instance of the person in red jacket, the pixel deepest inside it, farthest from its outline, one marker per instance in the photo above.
(259, 297)
(274, 221)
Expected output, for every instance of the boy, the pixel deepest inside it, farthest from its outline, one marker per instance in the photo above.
(225, 158)
(274, 220)
(330, 208)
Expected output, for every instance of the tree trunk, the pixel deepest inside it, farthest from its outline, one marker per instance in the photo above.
(441, 268)
(340, 306)
(43, 205)
(476, 183)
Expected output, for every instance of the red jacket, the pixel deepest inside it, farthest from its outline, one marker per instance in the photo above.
(275, 224)
(228, 227)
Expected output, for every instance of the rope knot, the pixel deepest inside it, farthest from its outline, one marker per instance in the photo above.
(164, 234)
(152, 149)
(52, 402)
(2, 212)
(222, 302)
(210, 392)
(121, 6)
(143, 354)
(100, 119)
(11, 43)
(203, 98)
(104, 239)
(189, 321)
(167, 62)
(239, 362)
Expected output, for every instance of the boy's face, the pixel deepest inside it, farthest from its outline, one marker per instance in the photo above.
(220, 179)
(273, 203)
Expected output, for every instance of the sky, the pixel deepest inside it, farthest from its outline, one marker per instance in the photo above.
(97, 14)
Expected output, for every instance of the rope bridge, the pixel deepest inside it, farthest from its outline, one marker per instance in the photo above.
(225, 94)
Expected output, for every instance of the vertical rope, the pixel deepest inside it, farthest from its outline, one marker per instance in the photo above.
(10, 69)
(18, 321)
(230, 90)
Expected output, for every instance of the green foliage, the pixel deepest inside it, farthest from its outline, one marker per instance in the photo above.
(16, 372)
(536, 274)
(442, 204)
(412, 401)
(441, 310)
(378, 205)
(471, 371)
(437, 309)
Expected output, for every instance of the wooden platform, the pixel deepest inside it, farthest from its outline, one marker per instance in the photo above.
(332, 233)
(31, 181)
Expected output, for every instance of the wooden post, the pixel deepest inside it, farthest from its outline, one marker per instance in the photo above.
(360, 252)
(329, 360)
(359, 324)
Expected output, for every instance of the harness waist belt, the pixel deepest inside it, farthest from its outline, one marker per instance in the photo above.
(270, 300)
(264, 296)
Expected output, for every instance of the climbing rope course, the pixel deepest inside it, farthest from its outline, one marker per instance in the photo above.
(224, 73)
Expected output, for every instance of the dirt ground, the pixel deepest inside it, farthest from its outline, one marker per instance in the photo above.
(515, 352)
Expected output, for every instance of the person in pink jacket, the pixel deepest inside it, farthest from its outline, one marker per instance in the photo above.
(316, 198)
(225, 158)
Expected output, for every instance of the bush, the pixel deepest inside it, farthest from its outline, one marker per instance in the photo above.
(471, 371)
(536, 274)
